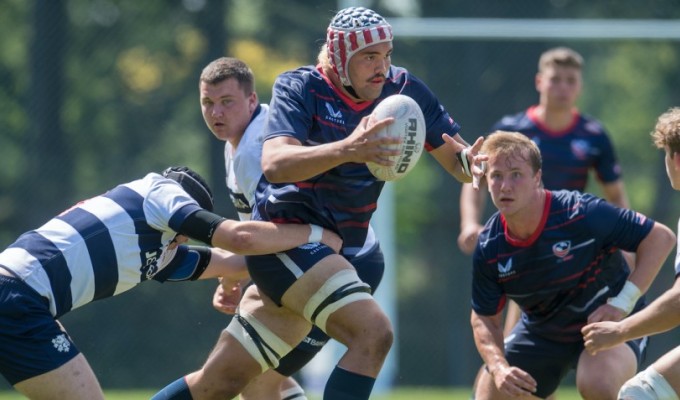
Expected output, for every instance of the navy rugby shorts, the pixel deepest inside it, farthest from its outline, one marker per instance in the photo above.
(31, 340)
(548, 361)
(275, 273)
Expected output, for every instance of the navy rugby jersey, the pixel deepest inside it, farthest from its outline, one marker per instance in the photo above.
(105, 245)
(307, 107)
(568, 155)
(565, 270)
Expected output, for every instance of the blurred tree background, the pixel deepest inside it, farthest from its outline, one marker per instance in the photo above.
(98, 92)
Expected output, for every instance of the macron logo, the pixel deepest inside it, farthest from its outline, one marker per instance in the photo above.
(505, 270)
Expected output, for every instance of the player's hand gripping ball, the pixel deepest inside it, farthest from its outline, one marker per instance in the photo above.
(409, 125)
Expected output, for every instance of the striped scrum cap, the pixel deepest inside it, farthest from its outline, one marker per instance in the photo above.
(351, 30)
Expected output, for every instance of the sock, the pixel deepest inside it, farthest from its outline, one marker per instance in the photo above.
(177, 390)
(347, 385)
(294, 393)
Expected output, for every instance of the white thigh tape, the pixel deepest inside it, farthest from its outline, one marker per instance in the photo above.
(260, 342)
(647, 385)
(341, 289)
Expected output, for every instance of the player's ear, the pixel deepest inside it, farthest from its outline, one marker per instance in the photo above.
(539, 178)
(675, 157)
(252, 102)
(537, 81)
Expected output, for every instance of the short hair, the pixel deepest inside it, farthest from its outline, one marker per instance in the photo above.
(560, 56)
(666, 133)
(225, 68)
(513, 144)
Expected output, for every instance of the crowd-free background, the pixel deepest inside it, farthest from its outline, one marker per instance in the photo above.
(97, 92)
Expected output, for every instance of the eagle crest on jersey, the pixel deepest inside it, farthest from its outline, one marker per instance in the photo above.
(350, 31)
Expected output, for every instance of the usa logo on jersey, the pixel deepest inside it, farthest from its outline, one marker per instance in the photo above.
(640, 219)
(561, 249)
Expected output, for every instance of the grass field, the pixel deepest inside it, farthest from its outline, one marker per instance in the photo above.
(566, 393)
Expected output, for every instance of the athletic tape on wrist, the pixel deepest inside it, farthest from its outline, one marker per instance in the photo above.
(316, 234)
(463, 160)
(626, 298)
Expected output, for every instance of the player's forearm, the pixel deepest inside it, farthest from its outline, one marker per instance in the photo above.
(651, 254)
(488, 336)
(227, 265)
(471, 204)
(662, 315)
(293, 163)
(257, 237)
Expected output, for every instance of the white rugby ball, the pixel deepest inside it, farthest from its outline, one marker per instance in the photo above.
(409, 125)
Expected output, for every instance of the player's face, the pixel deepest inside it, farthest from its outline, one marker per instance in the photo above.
(672, 165)
(512, 184)
(227, 109)
(368, 70)
(559, 87)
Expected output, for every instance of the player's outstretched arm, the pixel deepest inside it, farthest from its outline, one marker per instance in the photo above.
(259, 237)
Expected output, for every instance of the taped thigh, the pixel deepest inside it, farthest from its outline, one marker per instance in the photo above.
(647, 385)
(258, 340)
(341, 289)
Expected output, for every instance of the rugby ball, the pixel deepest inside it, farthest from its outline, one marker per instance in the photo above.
(409, 125)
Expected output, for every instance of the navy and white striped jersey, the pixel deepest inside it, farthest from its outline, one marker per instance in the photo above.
(306, 106)
(568, 155)
(568, 268)
(105, 245)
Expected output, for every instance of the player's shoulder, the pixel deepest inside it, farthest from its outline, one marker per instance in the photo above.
(573, 201)
(519, 122)
(493, 228)
(299, 77)
(591, 126)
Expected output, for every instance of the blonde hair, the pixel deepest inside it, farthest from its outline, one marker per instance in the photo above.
(666, 133)
(513, 144)
(560, 56)
(323, 58)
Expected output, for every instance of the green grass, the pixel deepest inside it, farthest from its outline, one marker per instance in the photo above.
(566, 393)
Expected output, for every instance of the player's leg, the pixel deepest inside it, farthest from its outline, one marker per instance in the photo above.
(332, 296)
(271, 386)
(36, 355)
(545, 360)
(256, 338)
(370, 265)
(669, 367)
(660, 381)
(602, 375)
(73, 380)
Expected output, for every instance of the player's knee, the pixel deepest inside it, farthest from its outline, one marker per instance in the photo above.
(263, 345)
(647, 385)
(376, 338)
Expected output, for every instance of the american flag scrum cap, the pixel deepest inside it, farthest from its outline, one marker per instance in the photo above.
(352, 30)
